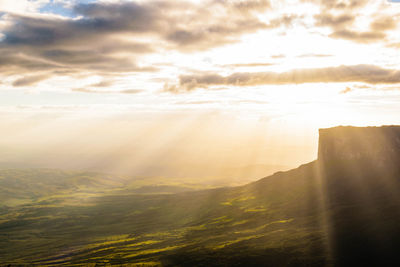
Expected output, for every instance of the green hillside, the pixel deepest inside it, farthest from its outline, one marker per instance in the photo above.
(275, 220)
(340, 210)
(29, 186)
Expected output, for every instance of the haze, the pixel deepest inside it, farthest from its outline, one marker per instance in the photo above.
(166, 88)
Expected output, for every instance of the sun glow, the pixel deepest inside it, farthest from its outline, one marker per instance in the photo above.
(282, 67)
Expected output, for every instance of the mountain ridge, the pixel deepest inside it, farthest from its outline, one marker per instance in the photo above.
(322, 213)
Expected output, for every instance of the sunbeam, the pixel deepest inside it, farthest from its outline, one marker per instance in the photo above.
(199, 133)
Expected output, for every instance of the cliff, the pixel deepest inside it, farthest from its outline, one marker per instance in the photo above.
(379, 146)
(360, 167)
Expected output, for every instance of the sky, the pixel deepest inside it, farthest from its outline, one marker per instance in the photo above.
(216, 80)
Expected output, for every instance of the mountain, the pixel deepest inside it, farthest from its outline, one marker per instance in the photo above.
(31, 185)
(361, 172)
(342, 210)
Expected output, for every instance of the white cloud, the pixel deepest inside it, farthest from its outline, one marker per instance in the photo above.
(21, 6)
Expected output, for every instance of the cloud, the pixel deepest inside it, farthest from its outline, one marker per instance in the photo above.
(278, 56)
(394, 45)
(384, 23)
(92, 91)
(342, 18)
(341, 25)
(30, 80)
(313, 55)
(285, 20)
(130, 91)
(86, 90)
(255, 64)
(335, 21)
(102, 84)
(95, 20)
(15, 63)
(114, 36)
(339, 5)
(369, 74)
(21, 6)
(99, 19)
(346, 91)
(360, 37)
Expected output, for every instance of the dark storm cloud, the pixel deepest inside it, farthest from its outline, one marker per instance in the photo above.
(358, 73)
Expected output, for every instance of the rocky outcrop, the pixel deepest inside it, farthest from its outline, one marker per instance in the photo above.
(379, 146)
(360, 167)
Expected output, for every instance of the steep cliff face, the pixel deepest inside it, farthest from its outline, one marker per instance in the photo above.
(379, 147)
(361, 171)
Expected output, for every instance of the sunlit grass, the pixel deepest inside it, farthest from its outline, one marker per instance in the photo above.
(147, 228)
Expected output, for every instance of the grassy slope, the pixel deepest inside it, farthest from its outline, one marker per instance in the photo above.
(275, 220)
(27, 186)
